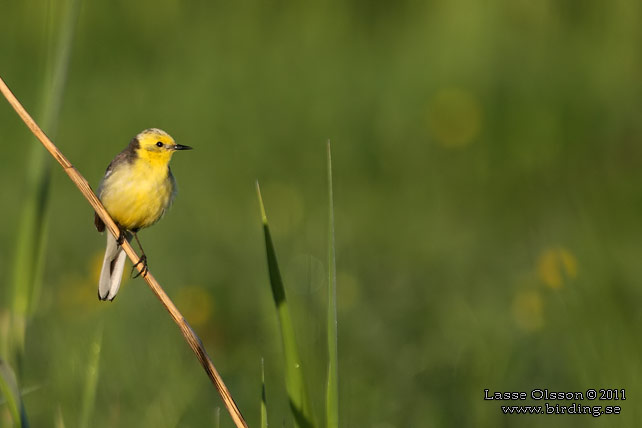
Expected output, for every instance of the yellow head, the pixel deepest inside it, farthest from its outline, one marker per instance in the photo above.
(156, 146)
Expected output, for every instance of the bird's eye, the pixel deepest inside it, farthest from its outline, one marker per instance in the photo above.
(159, 144)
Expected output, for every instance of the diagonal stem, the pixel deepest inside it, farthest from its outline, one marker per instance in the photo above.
(190, 337)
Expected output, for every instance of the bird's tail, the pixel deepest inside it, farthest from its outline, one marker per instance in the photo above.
(112, 271)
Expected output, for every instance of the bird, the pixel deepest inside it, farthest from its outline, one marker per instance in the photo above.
(137, 189)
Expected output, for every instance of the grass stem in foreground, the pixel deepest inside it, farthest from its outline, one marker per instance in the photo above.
(294, 380)
(332, 387)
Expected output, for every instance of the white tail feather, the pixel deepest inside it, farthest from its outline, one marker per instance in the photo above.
(112, 271)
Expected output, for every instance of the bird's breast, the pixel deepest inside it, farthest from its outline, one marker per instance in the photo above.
(137, 195)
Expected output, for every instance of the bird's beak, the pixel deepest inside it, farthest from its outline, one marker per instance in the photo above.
(181, 147)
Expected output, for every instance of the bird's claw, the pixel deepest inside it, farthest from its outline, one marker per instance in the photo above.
(121, 238)
(144, 270)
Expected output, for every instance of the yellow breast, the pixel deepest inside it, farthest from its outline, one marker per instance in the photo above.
(137, 194)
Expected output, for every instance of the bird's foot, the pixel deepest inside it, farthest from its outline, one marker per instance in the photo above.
(144, 270)
(121, 238)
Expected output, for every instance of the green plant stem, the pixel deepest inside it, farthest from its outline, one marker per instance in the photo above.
(10, 390)
(332, 389)
(294, 379)
(32, 230)
(91, 381)
(264, 421)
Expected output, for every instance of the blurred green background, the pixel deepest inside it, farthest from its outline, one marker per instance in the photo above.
(487, 167)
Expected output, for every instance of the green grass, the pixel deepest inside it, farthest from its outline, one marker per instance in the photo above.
(12, 395)
(33, 231)
(294, 374)
(332, 387)
(264, 418)
(59, 421)
(91, 380)
(295, 383)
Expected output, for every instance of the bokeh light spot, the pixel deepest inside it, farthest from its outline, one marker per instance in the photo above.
(454, 117)
(555, 266)
(96, 266)
(195, 303)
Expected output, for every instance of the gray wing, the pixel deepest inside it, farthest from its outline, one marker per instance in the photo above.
(127, 155)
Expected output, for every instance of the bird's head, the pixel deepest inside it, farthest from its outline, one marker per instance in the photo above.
(156, 146)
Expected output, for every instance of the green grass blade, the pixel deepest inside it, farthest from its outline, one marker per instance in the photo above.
(91, 382)
(217, 417)
(332, 388)
(59, 421)
(264, 422)
(11, 392)
(32, 230)
(294, 380)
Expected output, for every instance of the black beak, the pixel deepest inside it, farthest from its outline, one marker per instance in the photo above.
(181, 147)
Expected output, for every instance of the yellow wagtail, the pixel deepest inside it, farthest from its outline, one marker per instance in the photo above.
(137, 189)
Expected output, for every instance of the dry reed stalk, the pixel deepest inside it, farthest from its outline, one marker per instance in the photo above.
(192, 339)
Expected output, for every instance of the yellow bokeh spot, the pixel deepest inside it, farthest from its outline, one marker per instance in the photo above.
(196, 303)
(76, 295)
(555, 266)
(527, 310)
(97, 265)
(454, 117)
